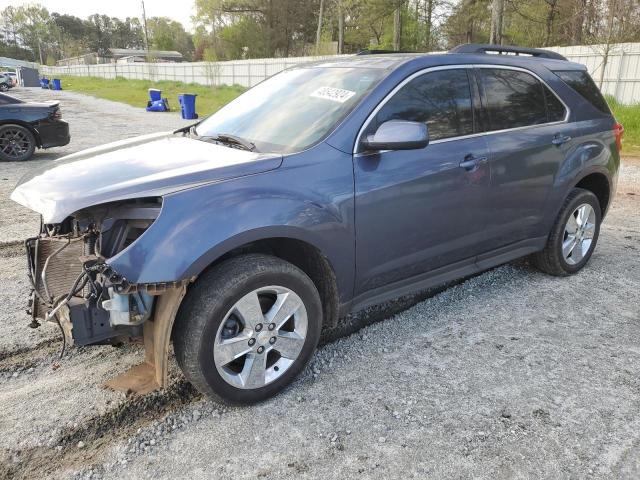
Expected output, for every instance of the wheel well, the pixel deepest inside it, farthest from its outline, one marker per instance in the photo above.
(598, 184)
(308, 259)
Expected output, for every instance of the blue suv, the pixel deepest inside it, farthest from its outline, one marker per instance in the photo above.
(324, 190)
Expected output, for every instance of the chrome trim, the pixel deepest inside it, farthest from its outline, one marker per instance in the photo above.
(461, 137)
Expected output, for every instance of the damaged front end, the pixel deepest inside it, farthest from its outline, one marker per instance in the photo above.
(74, 286)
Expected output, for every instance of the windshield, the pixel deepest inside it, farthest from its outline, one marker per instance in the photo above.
(294, 109)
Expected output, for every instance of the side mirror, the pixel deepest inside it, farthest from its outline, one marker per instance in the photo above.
(398, 135)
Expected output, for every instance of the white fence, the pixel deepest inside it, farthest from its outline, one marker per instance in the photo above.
(621, 74)
(621, 77)
(246, 73)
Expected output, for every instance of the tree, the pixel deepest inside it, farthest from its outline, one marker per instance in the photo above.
(167, 34)
(397, 25)
(497, 17)
(319, 31)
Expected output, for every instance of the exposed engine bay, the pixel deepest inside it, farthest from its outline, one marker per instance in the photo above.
(74, 286)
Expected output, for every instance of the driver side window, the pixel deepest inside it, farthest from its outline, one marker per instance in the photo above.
(441, 99)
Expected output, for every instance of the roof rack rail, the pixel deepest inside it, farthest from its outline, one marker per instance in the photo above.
(502, 49)
(366, 51)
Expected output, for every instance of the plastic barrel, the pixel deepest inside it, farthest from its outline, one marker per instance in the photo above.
(57, 85)
(188, 105)
(155, 94)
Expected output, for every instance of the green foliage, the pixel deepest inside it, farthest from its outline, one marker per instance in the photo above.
(167, 34)
(135, 92)
(31, 33)
(629, 117)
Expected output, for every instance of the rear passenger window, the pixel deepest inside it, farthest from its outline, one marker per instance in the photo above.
(441, 99)
(514, 98)
(555, 109)
(582, 83)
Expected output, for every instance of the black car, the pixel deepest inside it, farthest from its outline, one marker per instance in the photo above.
(25, 126)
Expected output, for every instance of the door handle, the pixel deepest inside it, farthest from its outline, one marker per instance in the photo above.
(560, 139)
(471, 163)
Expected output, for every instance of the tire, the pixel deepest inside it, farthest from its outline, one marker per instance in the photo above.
(215, 315)
(553, 260)
(17, 143)
(4, 87)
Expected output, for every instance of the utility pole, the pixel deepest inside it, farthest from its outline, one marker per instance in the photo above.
(497, 16)
(146, 32)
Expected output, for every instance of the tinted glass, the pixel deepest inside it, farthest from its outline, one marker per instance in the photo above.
(293, 109)
(7, 100)
(582, 83)
(514, 98)
(441, 99)
(555, 109)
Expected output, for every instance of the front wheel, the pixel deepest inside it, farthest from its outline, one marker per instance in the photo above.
(247, 328)
(573, 236)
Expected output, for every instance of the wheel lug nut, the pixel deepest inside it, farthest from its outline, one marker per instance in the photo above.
(260, 349)
(272, 340)
(258, 327)
(252, 342)
(272, 326)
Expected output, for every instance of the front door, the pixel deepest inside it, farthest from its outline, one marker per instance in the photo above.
(420, 210)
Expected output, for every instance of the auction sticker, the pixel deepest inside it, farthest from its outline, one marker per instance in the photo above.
(334, 94)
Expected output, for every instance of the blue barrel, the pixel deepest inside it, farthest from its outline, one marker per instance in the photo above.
(44, 83)
(155, 94)
(57, 85)
(188, 105)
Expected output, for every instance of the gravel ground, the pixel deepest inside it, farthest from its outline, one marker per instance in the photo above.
(511, 374)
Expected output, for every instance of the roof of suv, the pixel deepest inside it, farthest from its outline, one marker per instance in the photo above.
(391, 61)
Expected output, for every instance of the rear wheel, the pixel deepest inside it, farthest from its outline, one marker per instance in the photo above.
(574, 235)
(16, 143)
(247, 328)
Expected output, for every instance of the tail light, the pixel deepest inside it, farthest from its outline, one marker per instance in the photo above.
(618, 131)
(56, 114)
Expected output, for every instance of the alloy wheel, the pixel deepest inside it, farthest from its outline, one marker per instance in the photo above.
(14, 143)
(578, 234)
(261, 336)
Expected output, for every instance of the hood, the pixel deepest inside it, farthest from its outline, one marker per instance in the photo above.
(152, 165)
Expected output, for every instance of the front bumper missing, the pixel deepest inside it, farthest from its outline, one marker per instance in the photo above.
(55, 264)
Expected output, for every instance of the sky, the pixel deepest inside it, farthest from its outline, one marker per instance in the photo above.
(180, 10)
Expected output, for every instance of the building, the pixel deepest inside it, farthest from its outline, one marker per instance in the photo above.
(128, 55)
(87, 59)
(122, 55)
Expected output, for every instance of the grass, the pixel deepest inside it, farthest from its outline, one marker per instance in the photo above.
(629, 117)
(135, 92)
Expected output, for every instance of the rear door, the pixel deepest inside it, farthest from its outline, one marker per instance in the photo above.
(528, 138)
(420, 210)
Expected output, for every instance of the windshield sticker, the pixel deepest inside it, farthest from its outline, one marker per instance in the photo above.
(334, 94)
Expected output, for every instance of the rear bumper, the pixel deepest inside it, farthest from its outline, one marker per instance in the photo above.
(53, 133)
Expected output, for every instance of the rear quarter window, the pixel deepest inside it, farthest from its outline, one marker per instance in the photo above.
(514, 98)
(582, 83)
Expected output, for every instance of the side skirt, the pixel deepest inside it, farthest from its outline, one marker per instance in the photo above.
(445, 275)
